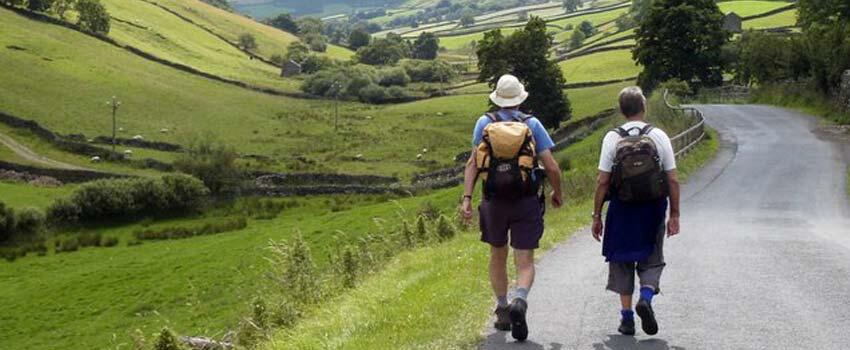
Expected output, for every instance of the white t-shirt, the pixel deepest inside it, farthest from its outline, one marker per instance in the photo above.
(662, 142)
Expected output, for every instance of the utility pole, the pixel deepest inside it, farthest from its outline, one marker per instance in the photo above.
(114, 104)
(336, 86)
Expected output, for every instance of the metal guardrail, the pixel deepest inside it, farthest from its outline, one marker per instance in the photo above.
(686, 140)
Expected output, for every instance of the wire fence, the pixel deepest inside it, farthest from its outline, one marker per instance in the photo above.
(686, 140)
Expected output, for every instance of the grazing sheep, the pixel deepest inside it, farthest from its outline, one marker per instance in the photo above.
(439, 114)
(163, 130)
(128, 153)
(138, 137)
(424, 150)
(121, 129)
(95, 159)
(419, 156)
(368, 117)
(358, 157)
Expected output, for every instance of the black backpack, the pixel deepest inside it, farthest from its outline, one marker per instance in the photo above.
(508, 176)
(637, 175)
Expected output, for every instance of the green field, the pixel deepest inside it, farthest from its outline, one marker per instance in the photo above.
(270, 40)
(601, 66)
(596, 19)
(746, 8)
(782, 19)
(23, 195)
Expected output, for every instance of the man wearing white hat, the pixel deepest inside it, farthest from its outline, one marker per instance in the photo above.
(516, 219)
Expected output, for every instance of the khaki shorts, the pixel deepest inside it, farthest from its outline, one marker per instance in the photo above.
(621, 276)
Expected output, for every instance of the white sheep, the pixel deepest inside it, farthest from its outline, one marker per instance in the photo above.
(95, 159)
(163, 130)
(121, 129)
(359, 157)
(138, 137)
(419, 156)
(424, 150)
(128, 153)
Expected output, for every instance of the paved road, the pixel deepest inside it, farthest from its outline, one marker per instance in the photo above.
(28, 154)
(763, 261)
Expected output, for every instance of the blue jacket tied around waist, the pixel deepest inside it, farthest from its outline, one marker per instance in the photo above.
(631, 230)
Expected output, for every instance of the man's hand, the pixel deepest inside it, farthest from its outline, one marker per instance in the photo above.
(597, 229)
(673, 226)
(466, 211)
(556, 199)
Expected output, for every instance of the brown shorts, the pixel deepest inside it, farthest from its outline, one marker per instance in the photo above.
(523, 218)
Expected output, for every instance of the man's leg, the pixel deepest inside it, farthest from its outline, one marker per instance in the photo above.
(499, 273)
(621, 280)
(649, 273)
(524, 260)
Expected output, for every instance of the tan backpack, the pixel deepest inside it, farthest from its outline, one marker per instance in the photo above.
(506, 157)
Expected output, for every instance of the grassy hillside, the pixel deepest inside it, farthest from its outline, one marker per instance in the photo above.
(746, 8)
(600, 66)
(21, 195)
(782, 19)
(270, 40)
(160, 33)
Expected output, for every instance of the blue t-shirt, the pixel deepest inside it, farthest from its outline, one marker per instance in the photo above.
(542, 140)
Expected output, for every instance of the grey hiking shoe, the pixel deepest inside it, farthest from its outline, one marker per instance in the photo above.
(503, 318)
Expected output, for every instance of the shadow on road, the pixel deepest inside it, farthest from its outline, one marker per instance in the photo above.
(622, 342)
(499, 340)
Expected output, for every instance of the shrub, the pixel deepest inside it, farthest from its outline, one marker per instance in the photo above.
(215, 164)
(373, 94)
(432, 71)
(177, 232)
(89, 239)
(12, 253)
(315, 63)
(7, 222)
(253, 329)
(109, 242)
(63, 210)
(445, 230)
(422, 234)
(167, 341)
(396, 93)
(407, 235)
(393, 76)
(67, 244)
(349, 267)
(294, 270)
(93, 17)
(30, 221)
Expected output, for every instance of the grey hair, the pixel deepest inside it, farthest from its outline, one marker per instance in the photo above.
(632, 101)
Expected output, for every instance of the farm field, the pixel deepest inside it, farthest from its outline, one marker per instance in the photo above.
(746, 8)
(270, 40)
(22, 195)
(782, 19)
(600, 66)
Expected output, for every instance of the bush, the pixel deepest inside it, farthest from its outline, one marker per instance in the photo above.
(445, 230)
(180, 232)
(167, 341)
(215, 164)
(109, 242)
(431, 71)
(315, 63)
(89, 239)
(294, 270)
(63, 210)
(29, 222)
(373, 93)
(7, 222)
(396, 93)
(93, 17)
(350, 80)
(68, 244)
(422, 234)
(393, 76)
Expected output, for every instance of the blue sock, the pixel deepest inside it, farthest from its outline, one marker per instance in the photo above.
(502, 300)
(647, 293)
(627, 314)
(522, 293)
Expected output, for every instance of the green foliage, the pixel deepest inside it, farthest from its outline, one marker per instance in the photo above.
(467, 20)
(247, 42)
(640, 9)
(762, 58)
(625, 22)
(109, 199)
(7, 222)
(67, 244)
(285, 22)
(39, 5)
(571, 6)
(214, 163)
(525, 54)
(587, 28)
(310, 25)
(181, 232)
(294, 271)
(393, 76)
(683, 40)
(359, 82)
(297, 51)
(827, 54)
(93, 16)
(445, 230)
(822, 14)
(21, 226)
(435, 71)
(358, 38)
(167, 341)
(61, 7)
(422, 232)
(316, 42)
(383, 51)
(426, 46)
(577, 39)
(222, 4)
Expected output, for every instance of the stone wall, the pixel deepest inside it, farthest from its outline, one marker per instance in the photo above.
(64, 175)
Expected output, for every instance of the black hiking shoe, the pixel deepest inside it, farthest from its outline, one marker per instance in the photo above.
(503, 319)
(647, 317)
(627, 327)
(519, 329)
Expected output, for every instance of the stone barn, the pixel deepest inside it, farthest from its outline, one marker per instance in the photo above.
(290, 69)
(733, 23)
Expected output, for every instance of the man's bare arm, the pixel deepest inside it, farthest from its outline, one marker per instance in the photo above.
(470, 175)
(553, 173)
(673, 222)
(603, 182)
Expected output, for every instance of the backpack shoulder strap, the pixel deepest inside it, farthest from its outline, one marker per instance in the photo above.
(522, 117)
(646, 129)
(493, 117)
(620, 131)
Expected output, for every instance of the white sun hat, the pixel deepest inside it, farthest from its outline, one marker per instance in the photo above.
(509, 92)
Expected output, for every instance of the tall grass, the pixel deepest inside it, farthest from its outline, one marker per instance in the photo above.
(798, 96)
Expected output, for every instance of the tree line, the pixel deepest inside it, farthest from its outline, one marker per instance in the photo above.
(91, 14)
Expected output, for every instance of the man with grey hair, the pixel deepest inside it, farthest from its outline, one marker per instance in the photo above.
(637, 174)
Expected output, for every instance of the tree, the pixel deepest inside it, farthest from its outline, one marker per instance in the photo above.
(625, 22)
(285, 22)
(762, 58)
(426, 46)
(681, 39)
(316, 42)
(92, 16)
(525, 54)
(467, 20)
(571, 6)
(823, 13)
(39, 5)
(383, 51)
(247, 42)
(60, 7)
(309, 25)
(639, 9)
(587, 28)
(358, 38)
(296, 51)
(826, 41)
(577, 39)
